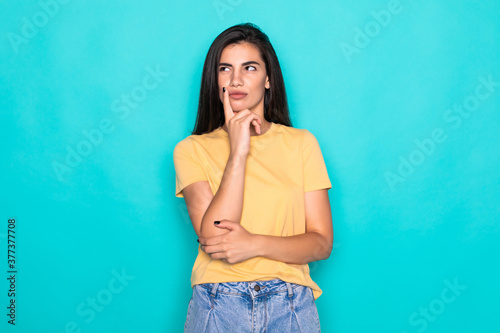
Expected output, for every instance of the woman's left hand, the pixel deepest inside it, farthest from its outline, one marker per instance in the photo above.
(233, 247)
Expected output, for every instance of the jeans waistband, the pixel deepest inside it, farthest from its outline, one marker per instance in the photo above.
(251, 288)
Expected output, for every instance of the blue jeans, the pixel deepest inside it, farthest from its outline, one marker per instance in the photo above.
(256, 306)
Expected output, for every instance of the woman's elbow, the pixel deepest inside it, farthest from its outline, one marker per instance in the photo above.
(327, 243)
(208, 229)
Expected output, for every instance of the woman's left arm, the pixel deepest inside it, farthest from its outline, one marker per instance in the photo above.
(315, 244)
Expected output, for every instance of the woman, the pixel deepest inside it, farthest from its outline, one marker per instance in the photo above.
(256, 192)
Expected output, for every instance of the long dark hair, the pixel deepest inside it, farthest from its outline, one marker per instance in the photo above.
(210, 109)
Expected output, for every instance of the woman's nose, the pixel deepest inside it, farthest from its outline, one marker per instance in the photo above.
(236, 79)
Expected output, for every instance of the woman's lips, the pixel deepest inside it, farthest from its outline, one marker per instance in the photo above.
(237, 96)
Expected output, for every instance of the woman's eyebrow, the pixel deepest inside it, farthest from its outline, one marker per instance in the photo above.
(243, 64)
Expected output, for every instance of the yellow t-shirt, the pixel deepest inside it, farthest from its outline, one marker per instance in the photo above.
(283, 163)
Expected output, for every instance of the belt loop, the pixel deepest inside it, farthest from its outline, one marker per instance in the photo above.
(289, 287)
(214, 289)
(212, 293)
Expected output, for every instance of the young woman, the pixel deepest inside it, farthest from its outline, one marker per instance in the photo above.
(256, 193)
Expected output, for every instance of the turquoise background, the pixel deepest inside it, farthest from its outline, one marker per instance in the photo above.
(415, 195)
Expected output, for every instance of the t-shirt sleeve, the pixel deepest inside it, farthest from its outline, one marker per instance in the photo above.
(315, 173)
(187, 167)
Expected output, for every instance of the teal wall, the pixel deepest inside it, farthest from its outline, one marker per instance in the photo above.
(403, 97)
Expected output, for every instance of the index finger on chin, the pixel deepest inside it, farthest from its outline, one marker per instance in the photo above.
(228, 110)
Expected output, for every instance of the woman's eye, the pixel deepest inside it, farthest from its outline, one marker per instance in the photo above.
(251, 68)
(222, 69)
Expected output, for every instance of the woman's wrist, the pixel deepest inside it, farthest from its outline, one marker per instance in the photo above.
(236, 162)
(260, 245)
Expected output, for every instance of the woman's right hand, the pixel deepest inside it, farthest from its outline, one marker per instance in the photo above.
(239, 127)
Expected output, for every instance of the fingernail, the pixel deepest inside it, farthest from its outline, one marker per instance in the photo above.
(198, 240)
(223, 89)
(216, 222)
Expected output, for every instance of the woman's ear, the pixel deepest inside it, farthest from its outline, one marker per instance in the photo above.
(268, 85)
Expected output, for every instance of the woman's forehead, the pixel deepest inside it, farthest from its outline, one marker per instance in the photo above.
(240, 51)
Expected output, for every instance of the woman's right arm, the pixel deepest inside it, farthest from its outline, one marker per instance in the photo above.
(203, 207)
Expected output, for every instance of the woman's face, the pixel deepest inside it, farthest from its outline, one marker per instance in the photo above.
(243, 72)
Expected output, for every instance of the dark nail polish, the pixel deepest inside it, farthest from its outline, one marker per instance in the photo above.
(198, 240)
(223, 89)
(216, 222)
